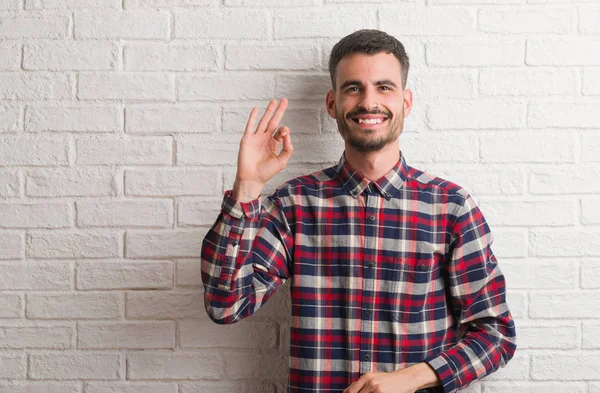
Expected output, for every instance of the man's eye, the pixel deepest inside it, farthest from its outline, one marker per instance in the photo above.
(386, 87)
(353, 88)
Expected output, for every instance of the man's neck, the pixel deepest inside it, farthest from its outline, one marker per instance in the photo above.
(373, 165)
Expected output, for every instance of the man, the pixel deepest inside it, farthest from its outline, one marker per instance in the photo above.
(394, 285)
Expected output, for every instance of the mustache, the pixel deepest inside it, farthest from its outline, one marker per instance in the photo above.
(366, 112)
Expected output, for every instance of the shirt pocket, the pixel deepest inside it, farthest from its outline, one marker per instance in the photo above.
(414, 282)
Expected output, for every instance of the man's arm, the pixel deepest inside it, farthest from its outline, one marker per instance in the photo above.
(478, 301)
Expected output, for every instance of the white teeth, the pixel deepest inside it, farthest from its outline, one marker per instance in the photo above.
(370, 121)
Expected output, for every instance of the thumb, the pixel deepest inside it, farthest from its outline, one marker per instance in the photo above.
(287, 150)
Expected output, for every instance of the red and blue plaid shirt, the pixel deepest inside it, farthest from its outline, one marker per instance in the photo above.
(384, 274)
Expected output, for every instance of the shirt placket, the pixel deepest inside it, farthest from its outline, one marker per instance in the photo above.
(369, 275)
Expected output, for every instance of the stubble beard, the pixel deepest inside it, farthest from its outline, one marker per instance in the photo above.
(364, 143)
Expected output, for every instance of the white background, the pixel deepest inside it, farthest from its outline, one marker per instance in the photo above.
(120, 123)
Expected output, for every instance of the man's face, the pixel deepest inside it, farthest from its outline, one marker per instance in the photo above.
(369, 103)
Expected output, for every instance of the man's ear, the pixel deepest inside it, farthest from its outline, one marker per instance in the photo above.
(330, 103)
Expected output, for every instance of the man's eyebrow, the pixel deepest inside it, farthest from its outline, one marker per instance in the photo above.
(359, 83)
(350, 83)
(386, 82)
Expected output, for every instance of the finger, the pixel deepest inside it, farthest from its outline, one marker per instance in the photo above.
(288, 149)
(251, 121)
(262, 125)
(274, 123)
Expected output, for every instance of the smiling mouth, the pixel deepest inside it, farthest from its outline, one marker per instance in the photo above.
(373, 121)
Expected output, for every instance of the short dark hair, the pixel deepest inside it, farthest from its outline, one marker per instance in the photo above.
(369, 42)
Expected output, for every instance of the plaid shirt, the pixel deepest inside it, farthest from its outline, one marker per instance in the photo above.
(384, 274)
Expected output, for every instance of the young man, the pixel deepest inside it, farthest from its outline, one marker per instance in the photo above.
(394, 285)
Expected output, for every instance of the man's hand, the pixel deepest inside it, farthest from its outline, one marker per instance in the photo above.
(407, 380)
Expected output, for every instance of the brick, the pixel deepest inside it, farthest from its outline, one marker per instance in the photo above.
(36, 276)
(124, 275)
(38, 25)
(243, 365)
(480, 114)
(565, 367)
(71, 4)
(321, 22)
(128, 335)
(557, 336)
(126, 86)
(66, 56)
(124, 151)
(10, 117)
(178, 118)
(442, 84)
(442, 148)
(578, 51)
(35, 387)
(516, 212)
(538, 274)
(509, 243)
(588, 19)
(272, 57)
(204, 333)
(591, 333)
(11, 245)
(207, 87)
(38, 337)
(10, 56)
(427, 21)
(207, 150)
(475, 52)
(14, 366)
(491, 180)
(167, 3)
(517, 369)
(68, 118)
(566, 305)
(590, 148)
(99, 305)
(35, 86)
(526, 20)
(170, 57)
(73, 244)
(565, 242)
(10, 183)
(492, 2)
(590, 273)
(564, 179)
(533, 387)
(517, 302)
(523, 82)
(134, 213)
(11, 306)
(163, 304)
(162, 243)
(53, 215)
(228, 386)
(122, 25)
(300, 120)
(129, 387)
(228, 24)
(178, 365)
(590, 211)
(198, 212)
(271, 3)
(591, 82)
(170, 182)
(509, 147)
(10, 4)
(563, 115)
(318, 149)
(70, 182)
(188, 272)
(34, 150)
(74, 365)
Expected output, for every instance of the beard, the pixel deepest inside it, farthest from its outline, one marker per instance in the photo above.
(361, 139)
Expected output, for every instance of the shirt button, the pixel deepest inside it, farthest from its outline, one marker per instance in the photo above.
(367, 312)
(367, 357)
(423, 267)
(372, 218)
(234, 243)
(371, 264)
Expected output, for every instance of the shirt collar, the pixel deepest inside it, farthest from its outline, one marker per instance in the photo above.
(387, 185)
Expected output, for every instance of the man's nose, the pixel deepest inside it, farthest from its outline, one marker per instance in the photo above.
(369, 100)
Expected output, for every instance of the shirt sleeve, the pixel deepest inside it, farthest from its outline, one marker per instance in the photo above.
(245, 257)
(487, 335)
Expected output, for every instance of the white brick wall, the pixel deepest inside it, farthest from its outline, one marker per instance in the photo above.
(120, 122)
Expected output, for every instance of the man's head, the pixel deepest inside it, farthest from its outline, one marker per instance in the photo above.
(369, 101)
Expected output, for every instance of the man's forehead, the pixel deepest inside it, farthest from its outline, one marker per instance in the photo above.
(371, 67)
